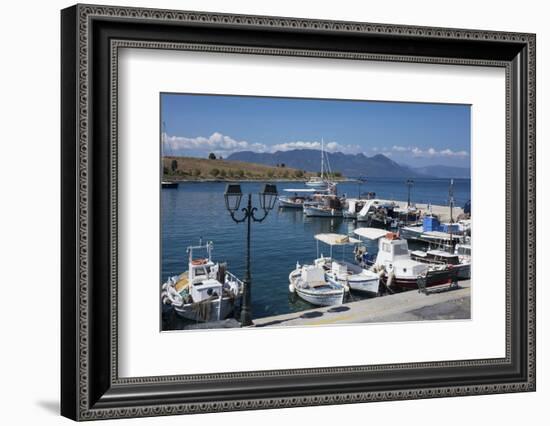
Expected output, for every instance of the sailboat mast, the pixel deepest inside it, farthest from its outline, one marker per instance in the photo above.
(451, 202)
(322, 159)
(163, 136)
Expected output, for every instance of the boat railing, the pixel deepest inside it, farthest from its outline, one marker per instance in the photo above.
(232, 277)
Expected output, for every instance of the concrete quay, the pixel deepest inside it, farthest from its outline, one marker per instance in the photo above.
(443, 212)
(441, 304)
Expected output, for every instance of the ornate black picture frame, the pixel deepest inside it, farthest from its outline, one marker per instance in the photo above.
(91, 37)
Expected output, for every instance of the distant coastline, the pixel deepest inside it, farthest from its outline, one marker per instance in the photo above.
(191, 169)
(206, 180)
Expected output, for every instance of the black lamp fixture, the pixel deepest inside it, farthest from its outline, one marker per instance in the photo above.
(268, 197)
(233, 196)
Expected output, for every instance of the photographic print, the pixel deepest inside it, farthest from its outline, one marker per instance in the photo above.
(280, 212)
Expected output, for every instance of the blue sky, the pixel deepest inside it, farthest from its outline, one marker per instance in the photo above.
(410, 133)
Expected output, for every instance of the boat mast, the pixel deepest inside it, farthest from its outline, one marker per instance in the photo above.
(163, 137)
(322, 159)
(451, 203)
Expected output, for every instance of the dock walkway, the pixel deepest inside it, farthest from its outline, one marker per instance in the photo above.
(406, 306)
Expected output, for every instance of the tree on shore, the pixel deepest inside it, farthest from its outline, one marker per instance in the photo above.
(240, 173)
(196, 172)
(211, 156)
(214, 172)
(165, 170)
(299, 173)
(270, 173)
(223, 173)
(174, 165)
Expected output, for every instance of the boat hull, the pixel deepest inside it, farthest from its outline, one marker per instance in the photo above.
(370, 287)
(317, 212)
(316, 296)
(290, 204)
(411, 283)
(328, 298)
(170, 185)
(214, 310)
(366, 285)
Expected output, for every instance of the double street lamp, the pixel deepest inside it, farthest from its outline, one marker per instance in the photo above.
(233, 196)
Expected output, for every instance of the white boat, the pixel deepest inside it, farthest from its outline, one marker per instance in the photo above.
(323, 180)
(316, 182)
(206, 291)
(311, 284)
(351, 276)
(373, 210)
(324, 205)
(296, 201)
(322, 211)
(395, 265)
(461, 264)
(169, 184)
(327, 280)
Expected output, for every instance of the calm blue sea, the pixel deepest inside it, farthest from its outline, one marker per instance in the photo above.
(197, 210)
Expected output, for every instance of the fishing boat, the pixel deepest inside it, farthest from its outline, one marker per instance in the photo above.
(461, 265)
(376, 212)
(167, 184)
(206, 291)
(398, 271)
(311, 284)
(297, 200)
(332, 278)
(322, 211)
(351, 276)
(324, 205)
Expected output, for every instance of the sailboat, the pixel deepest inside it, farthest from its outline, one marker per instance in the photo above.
(319, 181)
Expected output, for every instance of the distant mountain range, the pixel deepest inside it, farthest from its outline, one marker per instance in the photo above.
(439, 171)
(350, 165)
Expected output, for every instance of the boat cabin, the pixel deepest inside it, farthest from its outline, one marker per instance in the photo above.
(391, 247)
(436, 256)
(206, 289)
(313, 276)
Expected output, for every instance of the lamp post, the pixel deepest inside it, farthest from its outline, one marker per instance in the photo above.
(409, 183)
(233, 196)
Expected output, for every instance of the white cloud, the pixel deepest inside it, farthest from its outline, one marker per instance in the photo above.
(225, 145)
(329, 146)
(430, 152)
(218, 143)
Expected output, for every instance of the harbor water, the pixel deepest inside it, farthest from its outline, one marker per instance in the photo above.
(197, 210)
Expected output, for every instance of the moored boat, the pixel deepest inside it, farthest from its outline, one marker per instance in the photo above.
(310, 283)
(461, 265)
(326, 281)
(169, 184)
(206, 291)
(316, 182)
(393, 262)
(297, 200)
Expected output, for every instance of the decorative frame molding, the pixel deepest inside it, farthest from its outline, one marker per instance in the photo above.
(91, 37)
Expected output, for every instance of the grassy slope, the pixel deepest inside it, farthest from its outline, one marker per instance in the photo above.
(188, 167)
